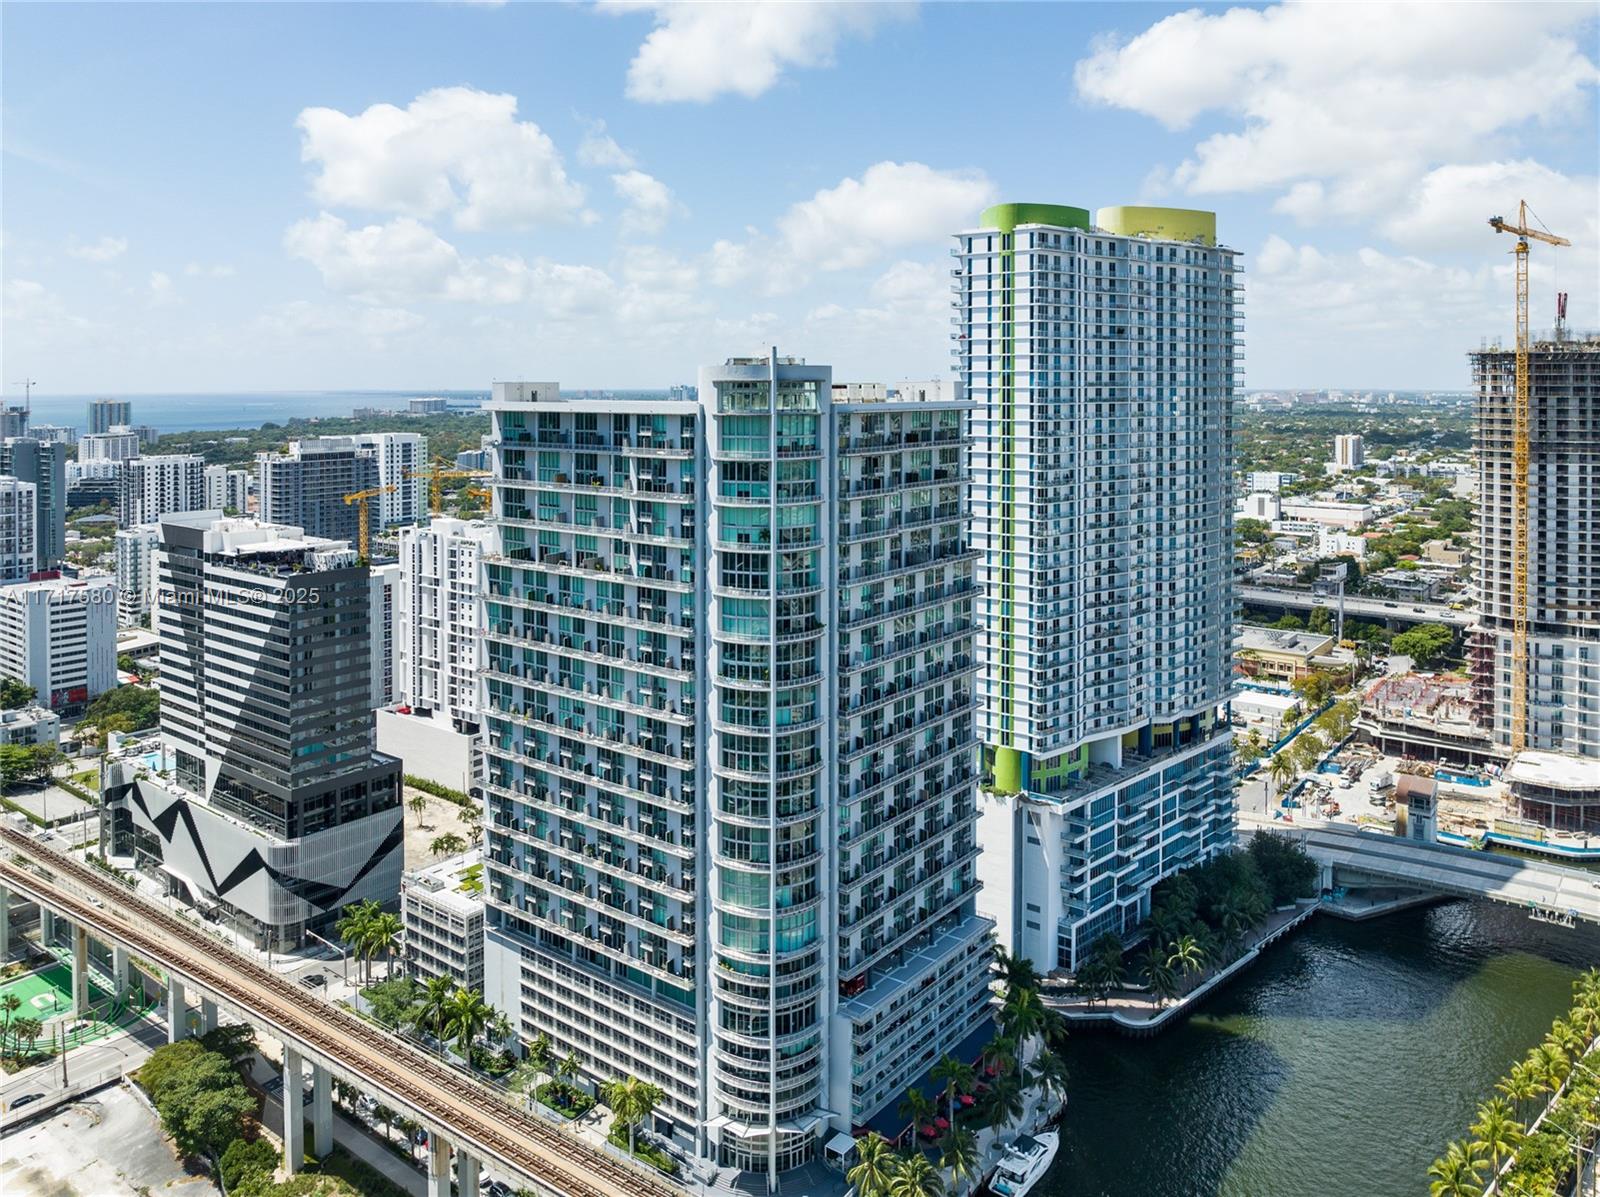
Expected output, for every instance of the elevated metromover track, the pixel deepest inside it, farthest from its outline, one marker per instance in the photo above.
(449, 1103)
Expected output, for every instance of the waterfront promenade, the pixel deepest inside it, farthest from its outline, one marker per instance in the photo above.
(1137, 1011)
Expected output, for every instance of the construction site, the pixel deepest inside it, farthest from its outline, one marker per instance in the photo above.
(1429, 717)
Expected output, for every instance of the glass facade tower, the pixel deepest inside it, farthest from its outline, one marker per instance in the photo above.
(730, 745)
(1100, 355)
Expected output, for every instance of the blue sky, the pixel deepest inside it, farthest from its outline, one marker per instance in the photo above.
(226, 197)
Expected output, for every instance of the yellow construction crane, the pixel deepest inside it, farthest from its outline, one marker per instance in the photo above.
(1519, 476)
(361, 498)
(436, 474)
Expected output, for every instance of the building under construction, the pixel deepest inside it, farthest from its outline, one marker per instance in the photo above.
(1427, 716)
(1563, 521)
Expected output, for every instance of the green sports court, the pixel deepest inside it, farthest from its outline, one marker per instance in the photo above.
(46, 994)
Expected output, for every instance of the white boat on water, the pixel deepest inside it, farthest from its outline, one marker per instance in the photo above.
(1027, 1159)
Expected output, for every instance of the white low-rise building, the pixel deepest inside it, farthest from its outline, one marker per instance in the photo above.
(29, 726)
(60, 636)
(442, 910)
(1329, 513)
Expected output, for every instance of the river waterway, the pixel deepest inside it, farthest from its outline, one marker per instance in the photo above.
(1339, 1066)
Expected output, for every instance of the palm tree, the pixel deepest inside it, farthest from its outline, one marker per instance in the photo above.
(1519, 1085)
(25, 1029)
(467, 1014)
(1497, 1131)
(435, 1005)
(538, 1057)
(958, 1155)
(1022, 1017)
(875, 1167)
(916, 1177)
(1016, 971)
(383, 939)
(632, 1101)
(1550, 1065)
(448, 844)
(1050, 1075)
(355, 928)
(502, 1030)
(957, 1078)
(1158, 975)
(1231, 918)
(568, 1070)
(1280, 772)
(418, 804)
(1187, 956)
(1004, 1101)
(998, 1056)
(1457, 1173)
(9, 1005)
(387, 1117)
(915, 1108)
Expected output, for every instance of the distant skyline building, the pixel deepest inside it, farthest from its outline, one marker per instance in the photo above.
(45, 465)
(117, 444)
(19, 553)
(402, 462)
(1348, 453)
(93, 482)
(14, 421)
(438, 638)
(58, 434)
(167, 484)
(306, 486)
(59, 635)
(385, 581)
(1563, 594)
(227, 490)
(105, 414)
(1100, 352)
(730, 739)
(136, 572)
(274, 812)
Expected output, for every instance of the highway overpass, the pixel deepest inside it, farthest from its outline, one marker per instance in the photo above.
(1369, 858)
(1359, 606)
(458, 1110)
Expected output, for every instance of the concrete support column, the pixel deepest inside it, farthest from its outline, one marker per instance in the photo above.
(80, 972)
(294, 1114)
(47, 926)
(121, 971)
(321, 1112)
(466, 1174)
(5, 923)
(208, 1015)
(177, 1011)
(438, 1166)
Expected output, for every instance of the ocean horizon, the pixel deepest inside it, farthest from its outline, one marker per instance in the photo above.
(202, 411)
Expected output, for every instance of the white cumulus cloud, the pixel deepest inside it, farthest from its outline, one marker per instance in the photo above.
(599, 149)
(699, 51)
(103, 250)
(301, 319)
(1343, 109)
(650, 203)
(452, 150)
(891, 207)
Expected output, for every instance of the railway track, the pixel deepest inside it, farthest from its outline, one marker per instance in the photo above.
(472, 1114)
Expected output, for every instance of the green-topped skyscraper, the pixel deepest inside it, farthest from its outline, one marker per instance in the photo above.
(1100, 350)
